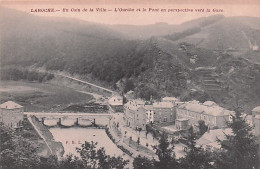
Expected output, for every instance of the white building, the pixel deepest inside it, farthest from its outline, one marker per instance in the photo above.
(173, 100)
(116, 101)
(212, 114)
(11, 114)
(135, 114)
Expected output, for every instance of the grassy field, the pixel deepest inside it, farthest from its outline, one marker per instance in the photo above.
(41, 96)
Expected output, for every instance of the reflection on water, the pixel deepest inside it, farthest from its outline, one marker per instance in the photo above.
(74, 137)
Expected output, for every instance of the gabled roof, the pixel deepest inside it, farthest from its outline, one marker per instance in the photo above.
(209, 103)
(209, 108)
(134, 104)
(210, 138)
(116, 101)
(10, 105)
(170, 99)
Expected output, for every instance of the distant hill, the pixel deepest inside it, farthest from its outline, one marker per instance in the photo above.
(195, 61)
(55, 42)
(144, 31)
(220, 33)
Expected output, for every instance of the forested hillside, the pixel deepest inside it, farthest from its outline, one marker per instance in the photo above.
(194, 62)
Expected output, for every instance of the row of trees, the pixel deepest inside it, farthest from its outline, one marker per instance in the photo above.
(13, 73)
(239, 151)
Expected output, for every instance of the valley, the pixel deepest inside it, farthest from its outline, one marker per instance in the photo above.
(157, 63)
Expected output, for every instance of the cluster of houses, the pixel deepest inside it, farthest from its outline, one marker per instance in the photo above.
(138, 113)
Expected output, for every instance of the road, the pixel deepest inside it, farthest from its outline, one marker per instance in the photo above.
(144, 139)
(84, 82)
(66, 114)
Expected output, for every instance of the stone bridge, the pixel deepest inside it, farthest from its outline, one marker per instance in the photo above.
(72, 119)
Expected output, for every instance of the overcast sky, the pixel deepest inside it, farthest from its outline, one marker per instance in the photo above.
(239, 8)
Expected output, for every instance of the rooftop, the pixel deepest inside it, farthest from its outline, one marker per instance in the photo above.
(210, 138)
(170, 99)
(148, 107)
(134, 104)
(208, 107)
(116, 100)
(162, 105)
(209, 103)
(256, 109)
(257, 116)
(9, 105)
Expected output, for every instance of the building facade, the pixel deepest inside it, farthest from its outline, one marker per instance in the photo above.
(212, 114)
(149, 114)
(256, 120)
(135, 114)
(11, 114)
(163, 112)
(182, 124)
(116, 103)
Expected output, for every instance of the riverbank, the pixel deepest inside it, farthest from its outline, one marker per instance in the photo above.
(52, 147)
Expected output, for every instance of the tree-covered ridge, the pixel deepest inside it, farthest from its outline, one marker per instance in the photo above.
(157, 66)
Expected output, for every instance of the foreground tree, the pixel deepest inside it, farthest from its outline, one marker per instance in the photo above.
(240, 148)
(15, 151)
(143, 163)
(202, 127)
(96, 158)
(196, 157)
(165, 153)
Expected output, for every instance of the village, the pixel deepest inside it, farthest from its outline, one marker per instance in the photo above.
(123, 124)
(136, 125)
(175, 118)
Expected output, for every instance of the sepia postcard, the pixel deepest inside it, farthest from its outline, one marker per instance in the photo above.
(98, 84)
